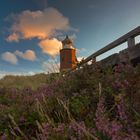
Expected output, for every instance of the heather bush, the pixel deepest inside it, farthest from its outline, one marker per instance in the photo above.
(94, 103)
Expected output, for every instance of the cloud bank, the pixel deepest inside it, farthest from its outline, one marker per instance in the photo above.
(5, 73)
(28, 55)
(10, 57)
(50, 46)
(44, 25)
(38, 24)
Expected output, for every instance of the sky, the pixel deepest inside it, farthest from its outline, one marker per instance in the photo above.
(31, 31)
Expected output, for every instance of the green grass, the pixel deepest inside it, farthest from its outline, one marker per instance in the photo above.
(21, 82)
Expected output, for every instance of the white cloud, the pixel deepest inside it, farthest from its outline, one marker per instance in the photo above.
(50, 46)
(81, 50)
(12, 37)
(73, 36)
(44, 25)
(28, 55)
(10, 57)
(80, 58)
(38, 24)
(1, 75)
(4, 73)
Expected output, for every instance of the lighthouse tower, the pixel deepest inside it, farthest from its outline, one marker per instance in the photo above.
(68, 58)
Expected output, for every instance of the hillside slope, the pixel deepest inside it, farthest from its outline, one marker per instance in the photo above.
(91, 104)
(21, 82)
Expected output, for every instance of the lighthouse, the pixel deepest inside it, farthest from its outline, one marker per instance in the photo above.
(68, 58)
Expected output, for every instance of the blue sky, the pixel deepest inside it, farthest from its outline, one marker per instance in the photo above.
(31, 30)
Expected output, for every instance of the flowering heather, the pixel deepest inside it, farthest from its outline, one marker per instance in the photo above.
(46, 131)
(94, 103)
(121, 108)
(112, 127)
(102, 122)
(75, 131)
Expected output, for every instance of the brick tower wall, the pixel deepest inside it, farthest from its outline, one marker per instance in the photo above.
(67, 59)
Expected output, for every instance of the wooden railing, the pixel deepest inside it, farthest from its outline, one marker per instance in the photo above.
(129, 38)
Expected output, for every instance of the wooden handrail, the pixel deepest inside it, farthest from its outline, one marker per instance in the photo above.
(130, 35)
(115, 43)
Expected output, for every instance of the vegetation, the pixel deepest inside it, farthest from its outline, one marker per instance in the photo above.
(94, 103)
(21, 82)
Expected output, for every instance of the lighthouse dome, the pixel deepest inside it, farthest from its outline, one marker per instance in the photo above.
(67, 43)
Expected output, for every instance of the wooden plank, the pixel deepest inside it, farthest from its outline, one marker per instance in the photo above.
(135, 32)
(115, 43)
